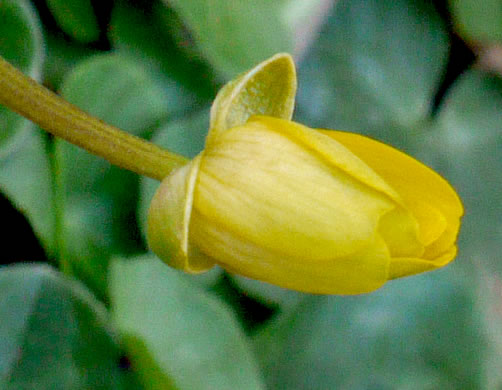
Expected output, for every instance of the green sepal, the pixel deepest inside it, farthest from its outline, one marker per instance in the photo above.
(267, 89)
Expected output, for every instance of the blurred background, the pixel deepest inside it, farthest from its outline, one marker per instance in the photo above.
(84, 305)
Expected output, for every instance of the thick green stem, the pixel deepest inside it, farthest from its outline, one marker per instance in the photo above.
(62, 119)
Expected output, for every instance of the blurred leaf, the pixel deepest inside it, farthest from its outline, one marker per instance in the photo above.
(467, 143)
(189, 335)
(21, 44)
(61, 57)
(25, 172)
(374, 69)
(146, 35)
(490, 292)
(119, 89)
(422, 332)
(26, 179)
(97, 200)
(478, 20)
(235, 36)
(54, 334)
(76, 18)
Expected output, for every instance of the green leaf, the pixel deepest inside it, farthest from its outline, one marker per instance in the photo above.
(188, 335)
(146, 35)
(489, 296)
(25, 172)
(374, 69)
(235, 36)
(119, 90)
(54, 334)
(467, 142)
(97, 200)
(76, 18)
(422, 332)
(26, 179)
(61, 58)
(478, 20)
(21, 44)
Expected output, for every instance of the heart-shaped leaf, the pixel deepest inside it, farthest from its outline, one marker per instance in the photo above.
(147, 36)
(418, 333)
(54, 334)
(374, 69)
(236, 36)
(187, 335)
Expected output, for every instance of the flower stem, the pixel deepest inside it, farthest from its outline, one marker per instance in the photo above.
(62, 119)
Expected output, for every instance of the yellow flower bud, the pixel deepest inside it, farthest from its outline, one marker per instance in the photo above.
(312, 210)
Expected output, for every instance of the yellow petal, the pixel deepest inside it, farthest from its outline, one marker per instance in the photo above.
(169, 220)
(433, 222)
(400, 267)
(334, 154)
(357, 273)
(426, 194)
(399, 230)
(444, 243)
(267, 188)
